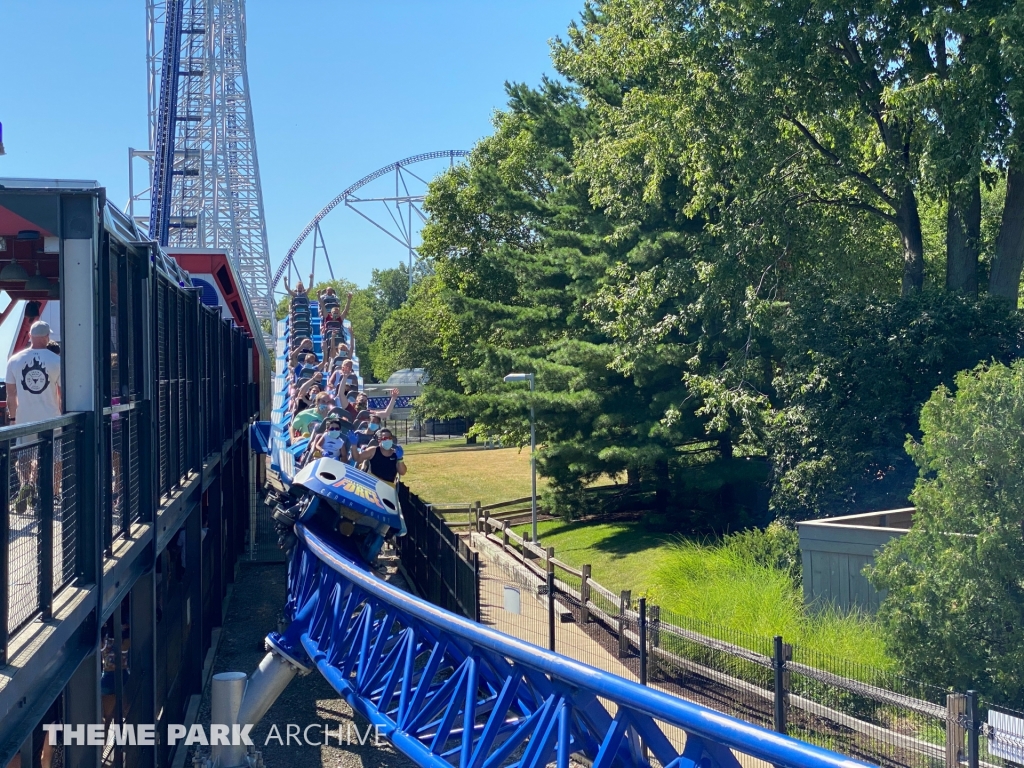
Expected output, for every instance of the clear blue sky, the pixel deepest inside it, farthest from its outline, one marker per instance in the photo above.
(339, 89)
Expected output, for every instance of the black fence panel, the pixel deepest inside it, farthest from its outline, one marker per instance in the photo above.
(443, 569)
(163, 387)
(65, 507)
(39, 523)
(417, 431)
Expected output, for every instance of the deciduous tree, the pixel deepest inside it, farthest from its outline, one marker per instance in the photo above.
(955, 602)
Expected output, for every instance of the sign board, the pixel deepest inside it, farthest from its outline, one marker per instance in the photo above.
(379, 395)
(1006, 736)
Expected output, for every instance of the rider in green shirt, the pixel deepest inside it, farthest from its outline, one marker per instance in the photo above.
(303, 419)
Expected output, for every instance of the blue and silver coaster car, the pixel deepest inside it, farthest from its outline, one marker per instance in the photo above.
(367, 507)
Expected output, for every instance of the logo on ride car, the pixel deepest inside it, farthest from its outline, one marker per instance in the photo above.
(361, 491)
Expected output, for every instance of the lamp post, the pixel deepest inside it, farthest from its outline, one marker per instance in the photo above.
(533, 451)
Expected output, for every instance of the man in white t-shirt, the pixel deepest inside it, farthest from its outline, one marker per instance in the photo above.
(33, 394)
(33, 380)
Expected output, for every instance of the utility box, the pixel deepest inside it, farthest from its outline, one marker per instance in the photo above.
(512, 600)
(836, 550)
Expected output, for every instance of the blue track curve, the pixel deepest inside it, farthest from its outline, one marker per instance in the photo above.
(448, 692)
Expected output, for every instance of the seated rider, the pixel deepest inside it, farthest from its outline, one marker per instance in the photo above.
(306, 395)
(367, 425)
(308, 367)
(340, 372)
(362, 403)
(300, 289)
(301, 424)
(338, 315)
(349, 400)
(385, 458)
(330, 443)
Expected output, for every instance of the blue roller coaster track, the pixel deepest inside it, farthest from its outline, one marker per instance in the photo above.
(448, 691)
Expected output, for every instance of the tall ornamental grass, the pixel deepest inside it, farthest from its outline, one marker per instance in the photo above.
(720, 584)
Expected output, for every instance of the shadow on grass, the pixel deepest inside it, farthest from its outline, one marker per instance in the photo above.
(625, 541)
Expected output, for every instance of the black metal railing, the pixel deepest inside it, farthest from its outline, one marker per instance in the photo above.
(40, 521)
(122, 505)
(443, 569)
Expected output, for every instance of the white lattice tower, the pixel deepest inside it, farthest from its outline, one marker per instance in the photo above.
(216, 199)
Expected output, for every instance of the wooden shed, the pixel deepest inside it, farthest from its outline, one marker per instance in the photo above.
(836, 550)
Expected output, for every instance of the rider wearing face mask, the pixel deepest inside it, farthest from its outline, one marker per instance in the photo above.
(385, 457)
(330, 443)
(366, 430)
(322, 406)
(350, 402)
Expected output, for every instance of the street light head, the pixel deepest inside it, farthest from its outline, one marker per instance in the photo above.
(518, 377)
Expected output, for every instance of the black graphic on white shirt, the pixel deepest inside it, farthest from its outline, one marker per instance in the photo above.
(34, 378)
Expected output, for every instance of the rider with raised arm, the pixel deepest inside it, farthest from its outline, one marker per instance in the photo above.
(300, 289)
(362, 403)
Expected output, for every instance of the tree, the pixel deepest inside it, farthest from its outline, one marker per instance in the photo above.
(793, 145)
(854, 104)
(530, 267)
(390, 288)
(955, 600)
(851, 375)
(420, 333)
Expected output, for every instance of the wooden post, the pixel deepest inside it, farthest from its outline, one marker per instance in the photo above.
(624, 601)
(585, 594)
(476, 517)
(504, 535)
(956, 732)
(654, 625)
(487, 522)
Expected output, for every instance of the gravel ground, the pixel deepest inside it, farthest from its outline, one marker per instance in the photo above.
(259, 596)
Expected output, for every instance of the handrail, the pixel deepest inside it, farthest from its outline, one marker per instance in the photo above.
(34, 427)
(509, 503)
(567, 568)
(697, 721)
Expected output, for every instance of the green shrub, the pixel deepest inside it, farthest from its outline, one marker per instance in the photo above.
(776, 547)
(955, 603)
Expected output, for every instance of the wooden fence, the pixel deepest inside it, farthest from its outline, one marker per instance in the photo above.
(464, 514)
(617, 614)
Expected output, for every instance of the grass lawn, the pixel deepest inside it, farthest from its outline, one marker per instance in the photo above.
(622, 555)
(746, 603)
(449, 471)
(700, 581)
